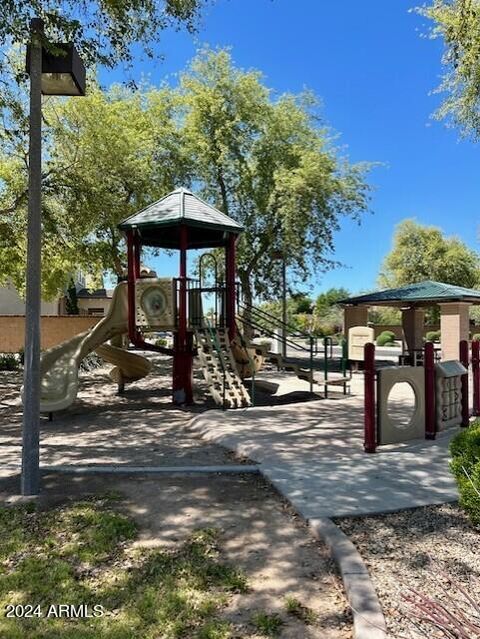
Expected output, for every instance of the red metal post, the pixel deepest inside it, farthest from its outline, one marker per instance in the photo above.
(132, 329)
(464, 357)
(429, 367)
(183, 352)
(182, 303)
(230, 261)
(476, 376)
(370, 440)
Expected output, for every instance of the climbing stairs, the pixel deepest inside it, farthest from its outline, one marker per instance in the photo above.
(219, 368)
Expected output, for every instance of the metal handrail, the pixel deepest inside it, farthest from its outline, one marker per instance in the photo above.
(272, 333)
(267, 315)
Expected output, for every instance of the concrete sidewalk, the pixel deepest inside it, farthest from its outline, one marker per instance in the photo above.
(313, 454)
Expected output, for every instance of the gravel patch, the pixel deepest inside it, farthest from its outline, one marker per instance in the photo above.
(431, 550)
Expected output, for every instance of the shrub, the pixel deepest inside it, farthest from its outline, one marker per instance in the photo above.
(465, 465)
(387, 338)
(326, 330)
(21, 356)
(8, 362)
(433, 336)
(161, 341)
(476, 337)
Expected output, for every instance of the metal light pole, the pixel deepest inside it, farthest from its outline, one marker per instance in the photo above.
(284, 307)
(31, 410)
(280, 256)
(51, 75)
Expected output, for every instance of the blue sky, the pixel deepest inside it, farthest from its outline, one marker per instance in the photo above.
(374, 73)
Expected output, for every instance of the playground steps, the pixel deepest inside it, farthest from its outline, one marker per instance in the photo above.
(219, 368)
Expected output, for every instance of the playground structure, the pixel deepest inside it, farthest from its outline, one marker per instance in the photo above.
(309, 358)
(145, 304)
(441, 392)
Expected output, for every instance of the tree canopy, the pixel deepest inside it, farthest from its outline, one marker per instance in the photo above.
(329, 298)
(269, 162)
(424, 253)
(106, 156)
(266, 160)
(104, 31)
(457, 22)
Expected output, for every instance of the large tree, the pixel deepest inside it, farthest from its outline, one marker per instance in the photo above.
(424, 253)
(106, 156)
(105, 32)
(457, 22)
(269, 162)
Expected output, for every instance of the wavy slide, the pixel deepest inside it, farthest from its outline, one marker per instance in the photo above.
(59, 365)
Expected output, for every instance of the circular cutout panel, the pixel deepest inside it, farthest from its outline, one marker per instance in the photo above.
(401, 405)
(153, 302)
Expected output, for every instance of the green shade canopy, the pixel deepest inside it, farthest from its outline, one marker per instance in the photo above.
(159, 224)
(426, 293)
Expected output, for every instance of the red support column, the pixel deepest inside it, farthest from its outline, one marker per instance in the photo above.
(132, 329)
(429, 367)
(464, 357)
(183, 347)
(476, 376)
(182, 305)
(230, 261)
(370, 441)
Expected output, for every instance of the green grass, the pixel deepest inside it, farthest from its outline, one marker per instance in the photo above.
(268, 625)
(83, 553)
(295, 608)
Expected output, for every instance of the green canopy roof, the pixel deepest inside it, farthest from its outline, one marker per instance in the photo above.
(158, 224)
(420, 294)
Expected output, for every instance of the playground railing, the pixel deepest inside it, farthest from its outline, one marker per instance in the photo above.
(254, 321)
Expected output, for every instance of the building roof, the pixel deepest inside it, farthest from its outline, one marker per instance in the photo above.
(99, 293)
(424, 293)
(158, 224)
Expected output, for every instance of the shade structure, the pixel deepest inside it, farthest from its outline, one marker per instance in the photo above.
(427, 293)
(159, 223)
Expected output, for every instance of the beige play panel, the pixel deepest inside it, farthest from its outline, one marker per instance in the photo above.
(448, 377)
(358, 336)
(155, 307)
(400, 404)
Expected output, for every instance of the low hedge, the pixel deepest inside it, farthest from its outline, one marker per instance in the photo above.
(433, 336)
(465, 465)
(386, 338)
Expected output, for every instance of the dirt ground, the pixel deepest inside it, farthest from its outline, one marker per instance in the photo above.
(259, 533)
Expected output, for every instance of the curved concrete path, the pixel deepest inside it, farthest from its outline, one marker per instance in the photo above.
(312, 452)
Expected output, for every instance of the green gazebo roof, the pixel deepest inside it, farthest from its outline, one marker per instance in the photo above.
(159, 223)
(425, 293)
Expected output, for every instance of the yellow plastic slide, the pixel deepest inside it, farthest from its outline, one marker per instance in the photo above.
(59, 365)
